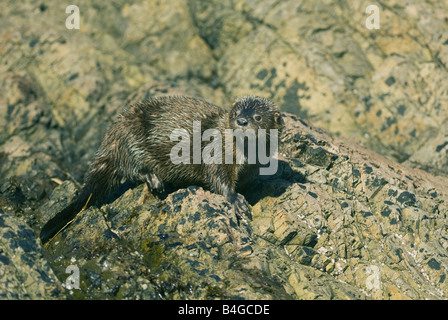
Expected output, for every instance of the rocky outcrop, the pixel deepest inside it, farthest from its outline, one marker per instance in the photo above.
(24, 272)
(337, 221)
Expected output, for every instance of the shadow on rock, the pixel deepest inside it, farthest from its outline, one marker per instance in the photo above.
(272, 185)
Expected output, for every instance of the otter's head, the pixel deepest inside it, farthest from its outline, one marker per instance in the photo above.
(255, 113)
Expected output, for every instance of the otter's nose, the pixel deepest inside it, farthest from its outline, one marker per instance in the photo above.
(241, 122)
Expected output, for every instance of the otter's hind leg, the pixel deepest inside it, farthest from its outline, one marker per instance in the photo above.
(153, 182)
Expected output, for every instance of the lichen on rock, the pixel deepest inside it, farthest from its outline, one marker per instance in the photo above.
(339, 220)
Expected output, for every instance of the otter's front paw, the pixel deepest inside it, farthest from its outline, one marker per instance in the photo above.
(240, 206)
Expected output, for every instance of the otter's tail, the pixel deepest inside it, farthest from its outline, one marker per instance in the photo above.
(99, 184)
(66, 216)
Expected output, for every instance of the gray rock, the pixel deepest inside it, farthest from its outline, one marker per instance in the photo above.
(337, 221)
(24, 271)
(355, 226)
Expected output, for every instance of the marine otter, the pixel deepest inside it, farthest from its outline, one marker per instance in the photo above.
(137, 147)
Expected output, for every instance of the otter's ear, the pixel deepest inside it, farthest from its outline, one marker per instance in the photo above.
(278, 118)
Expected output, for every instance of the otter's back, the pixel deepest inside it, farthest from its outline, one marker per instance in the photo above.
(151, 123)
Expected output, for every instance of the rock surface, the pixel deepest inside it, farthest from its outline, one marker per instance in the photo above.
(337, 221)
(24, 272)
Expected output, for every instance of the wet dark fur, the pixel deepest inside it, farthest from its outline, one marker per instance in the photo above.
(137, 148)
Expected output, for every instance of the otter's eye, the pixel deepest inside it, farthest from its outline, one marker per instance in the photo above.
(257, 117)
